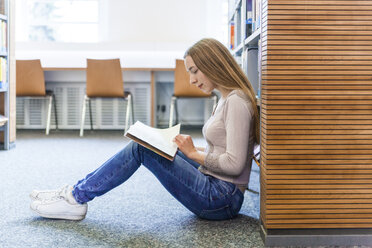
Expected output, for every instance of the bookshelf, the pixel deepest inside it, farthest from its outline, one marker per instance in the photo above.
(244, 21)
(4, 76)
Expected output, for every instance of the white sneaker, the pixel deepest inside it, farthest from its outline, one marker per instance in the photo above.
(63, 206)
(46, 194)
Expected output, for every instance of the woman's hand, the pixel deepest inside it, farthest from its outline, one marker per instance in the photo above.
(185, 144)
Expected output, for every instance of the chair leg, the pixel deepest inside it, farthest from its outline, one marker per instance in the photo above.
(50, 98)
(176, 110)
(55, 110)
(90, 113)
(132, 108)
(129, 103)
(83, 116)
(171, 110)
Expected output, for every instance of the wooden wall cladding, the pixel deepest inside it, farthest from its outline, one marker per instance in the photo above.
(316, 114)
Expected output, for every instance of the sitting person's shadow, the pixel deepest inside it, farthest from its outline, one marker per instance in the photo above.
(187, 231)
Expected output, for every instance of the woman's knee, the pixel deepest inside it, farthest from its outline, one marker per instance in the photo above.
(132, 145)
(134, 149)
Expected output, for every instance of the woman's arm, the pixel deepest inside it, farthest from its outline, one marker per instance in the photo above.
(200, 149)
(186, 146)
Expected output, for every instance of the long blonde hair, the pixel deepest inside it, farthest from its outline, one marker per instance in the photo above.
(216, 62)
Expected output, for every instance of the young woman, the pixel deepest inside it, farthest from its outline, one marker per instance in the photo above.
(209, 182)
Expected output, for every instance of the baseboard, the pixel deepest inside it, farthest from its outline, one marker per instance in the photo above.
(11, 145)
(317, 237)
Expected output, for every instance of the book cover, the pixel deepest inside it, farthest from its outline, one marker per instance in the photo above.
(155, 139)
(249, 20)
(232, 34)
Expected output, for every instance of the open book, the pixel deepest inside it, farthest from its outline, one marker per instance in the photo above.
(155, 139)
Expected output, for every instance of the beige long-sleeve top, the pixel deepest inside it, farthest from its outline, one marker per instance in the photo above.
(229, 133)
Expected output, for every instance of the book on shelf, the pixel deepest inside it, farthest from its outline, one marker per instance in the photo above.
(258, 14)
(3, 36)
(3, 86)
(238, 28)
(253, 21)
(3, 120)
(157, 140)
(3, 74)
(232, 35)
(249, 20)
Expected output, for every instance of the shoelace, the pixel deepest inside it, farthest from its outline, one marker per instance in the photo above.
(60, 194)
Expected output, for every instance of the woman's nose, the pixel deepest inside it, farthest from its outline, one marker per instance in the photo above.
(192, 79)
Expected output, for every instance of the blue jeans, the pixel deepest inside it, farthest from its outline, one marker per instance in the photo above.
(205, 196)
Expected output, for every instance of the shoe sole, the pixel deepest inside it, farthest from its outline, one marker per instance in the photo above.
(60, 216)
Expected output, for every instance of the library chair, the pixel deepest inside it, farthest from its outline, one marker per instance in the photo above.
(105, 80)
(30, 84)
(183, 89)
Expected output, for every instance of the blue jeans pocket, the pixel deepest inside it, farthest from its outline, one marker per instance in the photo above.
(222, 213)
(237, 198)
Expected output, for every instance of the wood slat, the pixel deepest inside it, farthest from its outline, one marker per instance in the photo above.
(315, 107)
(313, 127)
(283, 192)
(274, 112)
(318, 172)
(319, 196)
(325, 11)
(291, 16)
(302, 95)
(334, 88)
(320, 176)
(317, 132)
(357, 67)
(319, 2)
(330, 23)
(314, 33)
(318, 216)
(273, 8)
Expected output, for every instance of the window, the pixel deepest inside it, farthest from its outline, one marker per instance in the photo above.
(58, 20)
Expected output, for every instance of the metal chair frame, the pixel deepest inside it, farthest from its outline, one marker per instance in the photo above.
(174, 108)
(128, 97)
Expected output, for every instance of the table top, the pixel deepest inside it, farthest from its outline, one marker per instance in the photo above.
(129, 60)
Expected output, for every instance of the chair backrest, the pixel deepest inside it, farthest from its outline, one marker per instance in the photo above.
(104, 78)
(30, 79)
(182, 86)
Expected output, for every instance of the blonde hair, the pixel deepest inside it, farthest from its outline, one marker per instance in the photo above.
(216, 62)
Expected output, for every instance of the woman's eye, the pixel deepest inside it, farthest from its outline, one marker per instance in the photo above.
(195, 71)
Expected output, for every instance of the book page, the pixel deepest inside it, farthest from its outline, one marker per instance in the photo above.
(162, 139)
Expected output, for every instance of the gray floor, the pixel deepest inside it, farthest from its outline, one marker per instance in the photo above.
(139, 213)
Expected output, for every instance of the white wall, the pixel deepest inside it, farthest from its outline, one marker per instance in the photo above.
(142, 25)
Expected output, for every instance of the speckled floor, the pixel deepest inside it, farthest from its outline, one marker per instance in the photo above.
(139, 213)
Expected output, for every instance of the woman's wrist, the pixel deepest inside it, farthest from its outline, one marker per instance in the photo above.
(193, 154)
(197, 156)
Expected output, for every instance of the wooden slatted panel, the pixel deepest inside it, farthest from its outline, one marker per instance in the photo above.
(263, 165)
(316, 117)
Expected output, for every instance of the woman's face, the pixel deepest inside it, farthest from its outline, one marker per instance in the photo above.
(197, 77)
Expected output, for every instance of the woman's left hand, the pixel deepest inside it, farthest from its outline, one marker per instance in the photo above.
(185, 144)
